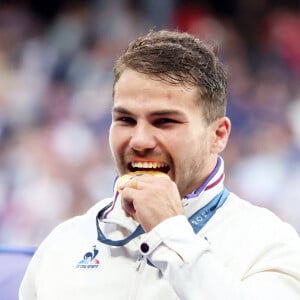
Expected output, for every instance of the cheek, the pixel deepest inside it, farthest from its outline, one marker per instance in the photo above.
(118, 140)
(113, 140)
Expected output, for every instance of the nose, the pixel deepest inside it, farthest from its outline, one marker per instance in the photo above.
(142, 138)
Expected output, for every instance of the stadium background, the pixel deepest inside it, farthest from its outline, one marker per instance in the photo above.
(56, 62)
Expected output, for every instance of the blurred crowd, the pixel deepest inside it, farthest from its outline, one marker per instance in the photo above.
(55, 99)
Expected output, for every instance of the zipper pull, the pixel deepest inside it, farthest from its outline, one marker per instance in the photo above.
(139, 263)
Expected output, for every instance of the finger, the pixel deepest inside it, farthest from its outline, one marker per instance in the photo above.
(132, 183)
(128, 207)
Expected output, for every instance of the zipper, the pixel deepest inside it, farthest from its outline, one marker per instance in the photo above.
(137, 278)
(140, 263)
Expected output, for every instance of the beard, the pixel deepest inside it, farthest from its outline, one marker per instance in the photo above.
(191, 175)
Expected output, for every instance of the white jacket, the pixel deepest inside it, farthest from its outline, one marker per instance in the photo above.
(243, 252)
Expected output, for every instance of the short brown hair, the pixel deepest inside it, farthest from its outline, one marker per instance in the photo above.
(179, 58)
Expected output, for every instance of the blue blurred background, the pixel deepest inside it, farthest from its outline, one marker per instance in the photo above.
(56, 61)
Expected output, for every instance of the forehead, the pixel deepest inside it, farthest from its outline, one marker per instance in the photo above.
(143, 91)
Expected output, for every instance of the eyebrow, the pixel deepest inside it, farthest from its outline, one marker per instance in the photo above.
(121, 110)
(163, 112)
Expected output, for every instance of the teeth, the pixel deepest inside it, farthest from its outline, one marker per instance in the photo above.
(147, 165)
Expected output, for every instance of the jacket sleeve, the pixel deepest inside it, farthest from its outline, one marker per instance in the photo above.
(195, 272)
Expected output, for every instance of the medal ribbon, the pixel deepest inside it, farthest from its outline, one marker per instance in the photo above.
(197, 220)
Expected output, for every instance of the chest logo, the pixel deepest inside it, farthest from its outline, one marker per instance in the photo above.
(89, 260)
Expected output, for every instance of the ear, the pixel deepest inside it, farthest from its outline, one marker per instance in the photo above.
(220, 133)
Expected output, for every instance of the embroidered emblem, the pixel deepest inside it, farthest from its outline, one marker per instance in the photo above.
(89, 260)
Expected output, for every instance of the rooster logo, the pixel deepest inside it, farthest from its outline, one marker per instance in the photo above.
(89, 259)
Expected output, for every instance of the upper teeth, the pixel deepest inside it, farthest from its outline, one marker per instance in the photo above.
(148, 165)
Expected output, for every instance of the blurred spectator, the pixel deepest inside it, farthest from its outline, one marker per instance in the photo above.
(284, 37)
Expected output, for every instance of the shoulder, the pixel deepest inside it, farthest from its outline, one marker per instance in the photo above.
(260, 220)
(63, 246)
(78, 227)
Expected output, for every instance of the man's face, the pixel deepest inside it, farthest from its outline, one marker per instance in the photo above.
(159, 126)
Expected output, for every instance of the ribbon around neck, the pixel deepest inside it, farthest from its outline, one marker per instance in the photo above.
(197, 220)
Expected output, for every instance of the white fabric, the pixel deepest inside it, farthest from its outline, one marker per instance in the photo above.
(243, 253)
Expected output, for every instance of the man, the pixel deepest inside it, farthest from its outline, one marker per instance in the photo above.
(181, 236)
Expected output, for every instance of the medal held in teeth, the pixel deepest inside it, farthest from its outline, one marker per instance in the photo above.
(123, 180)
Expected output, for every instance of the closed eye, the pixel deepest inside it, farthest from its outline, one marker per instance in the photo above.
(126, 120)
(164, 121)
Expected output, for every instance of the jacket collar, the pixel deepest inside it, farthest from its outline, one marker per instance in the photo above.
(212, 186)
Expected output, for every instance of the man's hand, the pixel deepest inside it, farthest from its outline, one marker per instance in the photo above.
(150, 200)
